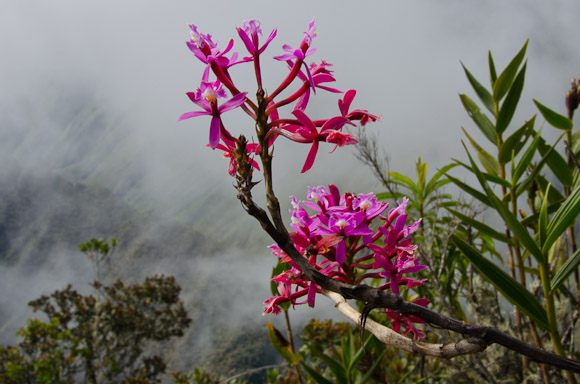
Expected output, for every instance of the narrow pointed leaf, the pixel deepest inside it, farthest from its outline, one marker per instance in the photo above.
(388, 195)
(509, 287)
(543, 221)
(509, 218)
(488, 177)
(403, 180)
(372, 369)
(492, 73)
(353, 363)
(505, 80)
(556, 163)
(315, 375)
(554, 196)
(434, 182)
(481, 226)
(523, 186)
(531, 220)
(336, 368)
(480, 90)
(488, 161)
(554, 118)
(564, 217)
(472, 191)
(566, 270)
(479, 118)
(281, 345)
(525, 160)
(510, 103)
(516, 141)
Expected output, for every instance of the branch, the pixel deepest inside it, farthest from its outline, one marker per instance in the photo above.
(389, 337)
(373, 297)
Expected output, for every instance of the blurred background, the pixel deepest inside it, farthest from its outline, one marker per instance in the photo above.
(90, 146)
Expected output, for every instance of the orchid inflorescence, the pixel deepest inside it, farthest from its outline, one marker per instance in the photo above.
(265, 111)
(337, 239)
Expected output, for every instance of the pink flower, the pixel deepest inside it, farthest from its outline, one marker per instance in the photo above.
(207, 98)
(307, 133)
(249, 35)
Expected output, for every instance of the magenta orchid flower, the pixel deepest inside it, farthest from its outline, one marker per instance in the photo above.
(205, 49)
(207, 98)
(308, 133)
(320, 74)
(330, 239)
(249, 35)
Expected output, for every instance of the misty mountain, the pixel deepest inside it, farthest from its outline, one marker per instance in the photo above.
(72, 174)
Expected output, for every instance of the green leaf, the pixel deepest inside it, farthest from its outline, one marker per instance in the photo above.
(492, 73)
(506, 78)
(479, 118)
(481, 226)
(543, 221)
(525, 160)
(281, 345)
(372, 369)
(488, 177)
(508, 107)
(315, 375)
(516, 141)
(509, 218)
(553, 118)
(278, 269)
(480, 90)
(533, 219)
(509, 287)
(335, 367)
(556, 163)
(399, 179)
(388, 195)
(564, 217)
(355, 358)
(566, 270)
(523, 186)
(488, 161)
(472, 191)
(554, 197)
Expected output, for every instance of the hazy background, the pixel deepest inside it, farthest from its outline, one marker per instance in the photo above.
(120, 70)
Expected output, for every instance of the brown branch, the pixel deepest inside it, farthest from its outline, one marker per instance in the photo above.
(376, 298)
(371, 297)
(390, 337)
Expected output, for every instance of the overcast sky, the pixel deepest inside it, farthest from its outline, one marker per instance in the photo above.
(403, 58)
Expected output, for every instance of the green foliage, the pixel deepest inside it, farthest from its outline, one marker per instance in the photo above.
(100, 339)
(332, 353)
(553, 208)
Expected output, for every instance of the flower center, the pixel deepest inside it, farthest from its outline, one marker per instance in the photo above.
(210, 95)
(365, 204)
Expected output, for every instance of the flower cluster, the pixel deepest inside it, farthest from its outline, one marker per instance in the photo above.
(338, 240)
(265, 110)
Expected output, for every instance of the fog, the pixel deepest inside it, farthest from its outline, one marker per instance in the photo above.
(129, 59)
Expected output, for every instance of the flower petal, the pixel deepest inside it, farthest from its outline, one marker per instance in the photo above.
(214, 132)
(232, 103)
(310, 158)
(188, 115)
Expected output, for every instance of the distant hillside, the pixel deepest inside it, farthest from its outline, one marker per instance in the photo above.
(69, 174)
